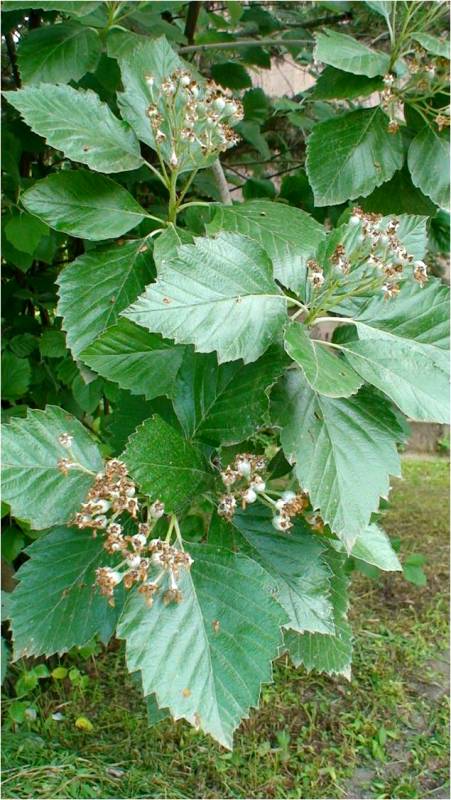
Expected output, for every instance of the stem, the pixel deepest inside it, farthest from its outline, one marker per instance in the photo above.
(333, 319)
(193, 203)
(170, 529)
(150, 216)
(172, 209)
(187, 185)
(157, 174)
(178, 532)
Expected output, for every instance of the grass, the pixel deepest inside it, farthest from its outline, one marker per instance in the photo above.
(382, 735)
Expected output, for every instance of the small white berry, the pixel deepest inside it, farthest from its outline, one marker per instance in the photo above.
(133, 561)
(243, 467)
(249, 496)
(258, 484)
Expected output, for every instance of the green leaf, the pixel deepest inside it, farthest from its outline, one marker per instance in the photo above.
(325, 373)
(16, 376)
(82, 204)
(397, 196)
(435, 46)
(5, 657)
(373, 546)
(137, 360)
(334, 84)
(224, 404)
(87, 395)
(231, 75)
(346, 53)
(294, 561)
(72, 9)
(32, 483)
(129, 412)
(219, 641)
(55, 606)
(166, 244)
(344, 451)
(360, 155)
(403, 351)
(80, 125)
(428, 161)
(52, 344)
(327, 653)
(289, 235)
(58, 53)
(418, 386)
(164, 464)
(413, 569)
(97, 286)
(155, 714)
(217, 294)
(25, 232)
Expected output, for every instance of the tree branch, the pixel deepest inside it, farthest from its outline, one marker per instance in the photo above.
(243, 43)
(218, 174)
(191, 20)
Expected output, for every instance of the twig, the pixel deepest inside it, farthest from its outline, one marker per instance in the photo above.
(243, 43)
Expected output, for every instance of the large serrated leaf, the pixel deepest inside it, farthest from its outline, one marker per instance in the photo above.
(33, 485)
(206, 658)
(80, 125)
(217, 294)
(428, 161)
(137, 360)
(345, 451)
(334, 84)
(360, 155)
(97, 286)
(58, 53)
(289, 236)
(402, 349)
(55, 606)
(346, 53)
(325, 373)
(85, 205)
(224, 404)
(327, 653)
(164, 464)
(294, 561)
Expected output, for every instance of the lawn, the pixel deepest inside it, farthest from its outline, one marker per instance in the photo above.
(382, 735)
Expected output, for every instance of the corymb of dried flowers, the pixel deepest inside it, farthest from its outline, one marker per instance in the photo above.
(372, 251)
(244, 475)
(186, 115)
(152, 563)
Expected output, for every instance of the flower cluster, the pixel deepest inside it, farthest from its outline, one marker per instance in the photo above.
(244, 475)
(426, 76)
(384, 252)
(140, 558)
(112, 495)
(289, 505)
(112, 492)
(372, 247)
(186, 116)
